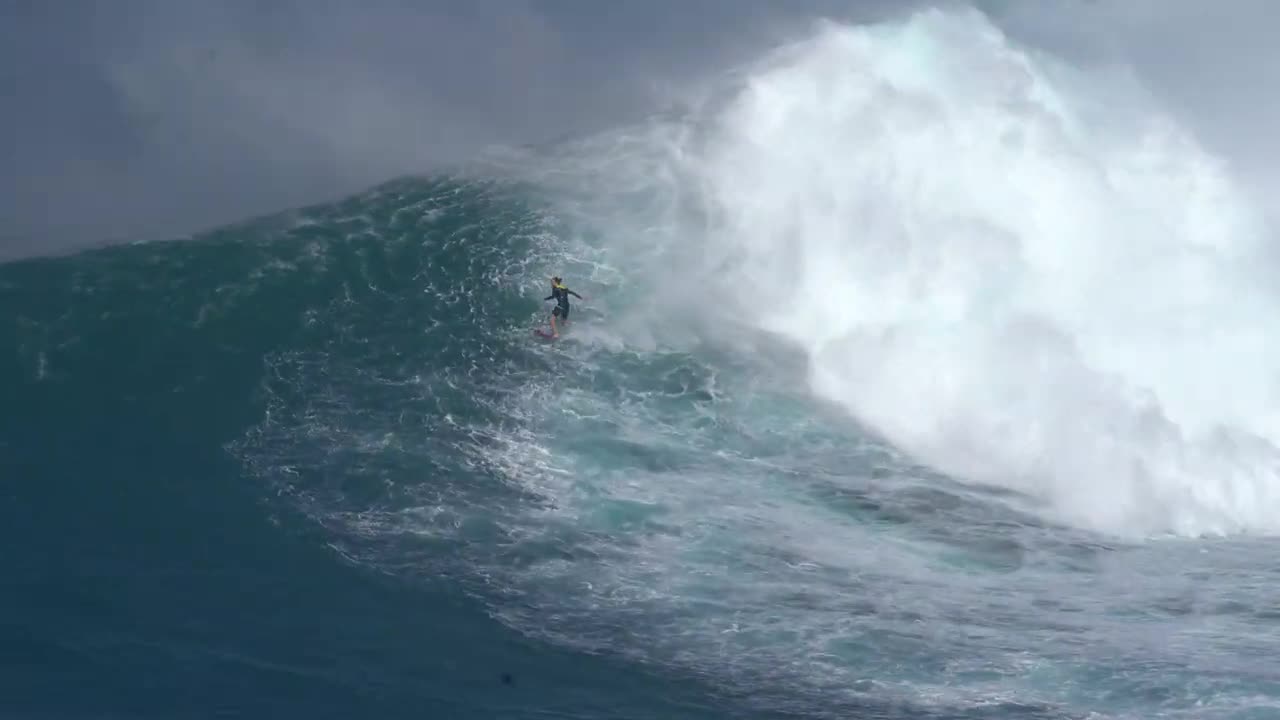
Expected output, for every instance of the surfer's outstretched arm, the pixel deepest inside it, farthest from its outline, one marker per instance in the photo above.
(573, 293)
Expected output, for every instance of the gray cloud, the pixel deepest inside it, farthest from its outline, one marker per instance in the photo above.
(153, 118)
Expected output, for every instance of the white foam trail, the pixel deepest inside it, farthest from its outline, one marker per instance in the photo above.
(1024, 274)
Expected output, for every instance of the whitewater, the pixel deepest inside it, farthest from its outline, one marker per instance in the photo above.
(1024, 274)
(918, 374)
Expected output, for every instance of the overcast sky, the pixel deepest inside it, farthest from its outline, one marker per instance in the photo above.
(138, 119)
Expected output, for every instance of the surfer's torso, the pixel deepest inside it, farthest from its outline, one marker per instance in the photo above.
(561, 294)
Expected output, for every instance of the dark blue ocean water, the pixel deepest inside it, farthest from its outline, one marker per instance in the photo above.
(316, 466)
(147, 574)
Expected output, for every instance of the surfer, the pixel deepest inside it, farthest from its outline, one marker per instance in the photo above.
(560, 294)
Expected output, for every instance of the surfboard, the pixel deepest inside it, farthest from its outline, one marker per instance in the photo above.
(545, 335)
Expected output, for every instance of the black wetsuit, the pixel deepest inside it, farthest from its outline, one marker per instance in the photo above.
(561, 295)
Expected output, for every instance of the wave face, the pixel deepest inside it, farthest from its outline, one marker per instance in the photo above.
(912, 369)
(1022, 274)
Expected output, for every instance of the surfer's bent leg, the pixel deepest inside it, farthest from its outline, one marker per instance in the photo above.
(559, 311)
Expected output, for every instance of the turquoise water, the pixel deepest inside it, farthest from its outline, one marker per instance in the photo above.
(315, 465)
